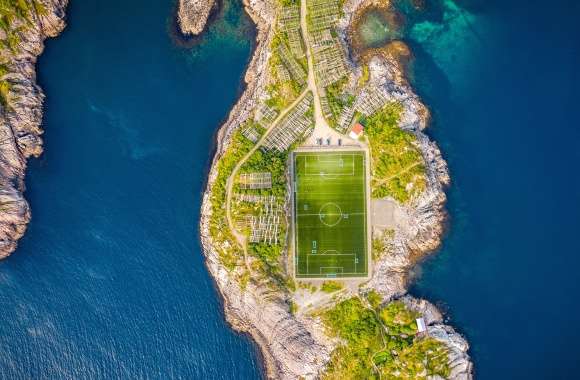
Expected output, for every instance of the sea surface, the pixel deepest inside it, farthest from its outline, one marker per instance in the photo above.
(109, 281)
(502, 78)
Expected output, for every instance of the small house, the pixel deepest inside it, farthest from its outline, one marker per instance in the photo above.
(421, 327)
(356, 131)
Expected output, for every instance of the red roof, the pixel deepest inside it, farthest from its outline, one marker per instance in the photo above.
(358, 128)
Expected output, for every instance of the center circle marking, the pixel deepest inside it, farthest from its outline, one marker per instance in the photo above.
(330, 214)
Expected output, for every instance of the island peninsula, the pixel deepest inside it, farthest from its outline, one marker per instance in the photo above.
(24, 27)
(323, 194)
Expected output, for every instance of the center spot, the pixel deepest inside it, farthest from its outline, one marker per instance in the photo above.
(330, 214)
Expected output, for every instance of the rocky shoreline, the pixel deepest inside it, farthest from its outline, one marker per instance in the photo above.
(295, 345)
(20, 121)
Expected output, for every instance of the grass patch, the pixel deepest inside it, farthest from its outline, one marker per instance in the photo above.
(281, 92)
(383, 336)
(16, 16)
(382, 243)
(331, 286)
(269, 261)
(398, 168)
(330, 214)
(5, 95)
(268, 161)
(273, 162)
(288, 2)
(293, 307)
(310, 287)
(224, 242)
(365, 76)
(338, 99)
(374, 299)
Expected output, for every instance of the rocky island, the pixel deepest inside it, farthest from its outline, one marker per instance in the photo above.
(193, 15)
(25, 26)
(309, 91)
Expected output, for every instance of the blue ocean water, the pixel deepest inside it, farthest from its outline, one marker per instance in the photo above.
(109, 281)
(502, 80)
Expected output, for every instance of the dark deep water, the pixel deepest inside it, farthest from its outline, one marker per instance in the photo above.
(109, 280)
(502, 79)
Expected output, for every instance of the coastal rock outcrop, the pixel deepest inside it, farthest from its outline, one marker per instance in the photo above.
(460, 365)
(21, 115)
(194, 14)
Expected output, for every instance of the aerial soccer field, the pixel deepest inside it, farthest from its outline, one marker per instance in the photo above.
(330, 214)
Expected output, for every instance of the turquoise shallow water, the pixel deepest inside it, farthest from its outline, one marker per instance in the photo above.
(374, 30)
(109, 280)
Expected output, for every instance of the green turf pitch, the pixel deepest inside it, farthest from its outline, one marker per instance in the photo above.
(330, 221)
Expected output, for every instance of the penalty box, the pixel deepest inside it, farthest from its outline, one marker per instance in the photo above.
(330, 218)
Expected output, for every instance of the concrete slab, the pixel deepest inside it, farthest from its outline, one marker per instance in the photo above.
(383, 213)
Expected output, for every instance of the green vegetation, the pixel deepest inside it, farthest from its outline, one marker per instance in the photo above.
(16, 16)
(330, 214)
(224, 242)
(331, 286)
(293, 307)
(361, 330)
(380, 244)
(268, 161)
(243, 279)
(378, 247)
(338, 98)
(5, 96)
(3, 70)
(398, 169)
(14, 12)
(282, 91)
(384, 338)
(374, 299)
(268, 255)
(268, 263)
(310, 287)
(365, 76)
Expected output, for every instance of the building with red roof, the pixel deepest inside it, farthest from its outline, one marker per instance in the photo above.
(357, 131)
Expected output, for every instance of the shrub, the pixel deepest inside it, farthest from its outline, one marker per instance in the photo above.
(398, 168)
(331, 286)
(387, 340)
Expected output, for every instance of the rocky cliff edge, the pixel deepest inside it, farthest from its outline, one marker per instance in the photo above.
(21, 114)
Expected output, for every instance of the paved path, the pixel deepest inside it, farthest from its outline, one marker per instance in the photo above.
(403, 171)
(319, 119)
(321, 129)
(241, 238)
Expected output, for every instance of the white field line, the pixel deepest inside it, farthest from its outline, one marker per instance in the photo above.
(297, 215)
(310, 193)
(341, 213)
(328, 161)
(329, 275)
(341, 268)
